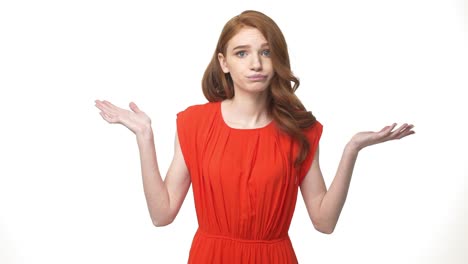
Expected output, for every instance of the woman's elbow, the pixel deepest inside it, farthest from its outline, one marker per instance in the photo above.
(325, 230)
(324, 227)
(160, 222)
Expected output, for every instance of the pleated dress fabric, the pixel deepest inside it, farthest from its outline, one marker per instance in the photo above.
(244, 185)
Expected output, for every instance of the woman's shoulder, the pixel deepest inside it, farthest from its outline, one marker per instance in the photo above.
(202, 109)
(198, 112)
(313, 133)
(198, 108)
(314, 130)
(314, 127)
(196, 119)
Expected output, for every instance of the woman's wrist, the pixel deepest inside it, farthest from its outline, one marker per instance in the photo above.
(144, 132)
(353, 147)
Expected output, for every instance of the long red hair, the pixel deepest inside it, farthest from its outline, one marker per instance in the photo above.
(287, 110)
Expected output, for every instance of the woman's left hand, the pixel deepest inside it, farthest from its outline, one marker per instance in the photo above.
(368, 138)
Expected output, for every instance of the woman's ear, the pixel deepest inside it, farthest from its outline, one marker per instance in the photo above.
(222, 63)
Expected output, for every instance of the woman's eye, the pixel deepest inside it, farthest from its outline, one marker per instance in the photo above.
(241, 54)
(266, 53)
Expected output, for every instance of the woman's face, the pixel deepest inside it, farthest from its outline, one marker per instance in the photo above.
(248, 61)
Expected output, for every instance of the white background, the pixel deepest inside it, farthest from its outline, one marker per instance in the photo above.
(70, 183)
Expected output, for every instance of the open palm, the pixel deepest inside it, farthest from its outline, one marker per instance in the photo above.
(368, 138)
(136, 120)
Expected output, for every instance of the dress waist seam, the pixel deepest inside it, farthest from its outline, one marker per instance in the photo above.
(250, 241)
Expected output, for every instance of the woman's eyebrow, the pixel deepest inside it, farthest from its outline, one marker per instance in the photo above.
(241, 47)
(248, 46)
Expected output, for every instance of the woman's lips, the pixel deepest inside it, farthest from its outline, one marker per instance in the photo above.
(257, 77)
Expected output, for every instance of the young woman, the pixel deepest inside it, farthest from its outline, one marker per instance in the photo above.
(246, 152)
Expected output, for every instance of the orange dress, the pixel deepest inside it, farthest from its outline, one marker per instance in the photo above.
(244, 185)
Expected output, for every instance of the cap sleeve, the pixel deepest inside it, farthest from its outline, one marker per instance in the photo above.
(313, 134)
(184, 127)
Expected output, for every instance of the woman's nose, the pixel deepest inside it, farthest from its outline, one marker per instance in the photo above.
(256, 63)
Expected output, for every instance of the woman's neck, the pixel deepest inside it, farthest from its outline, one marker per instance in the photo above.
(246, 111)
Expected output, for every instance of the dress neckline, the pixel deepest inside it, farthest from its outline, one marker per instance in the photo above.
(220, 115)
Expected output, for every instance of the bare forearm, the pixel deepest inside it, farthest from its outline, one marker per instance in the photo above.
(157, 196)
(329, 203)
(334, 199)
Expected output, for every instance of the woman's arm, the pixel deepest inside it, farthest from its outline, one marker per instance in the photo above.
(164, 198)
(324, 206)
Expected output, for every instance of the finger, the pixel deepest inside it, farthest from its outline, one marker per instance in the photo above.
(407, 128)
(110, 108)
(109, 104)
(400, 129)
(104, 108)
(406, 132)
(100, 106)
(104, 102)
(134, 107)
(97, 105)
(386, 131)
(395, 134)
(104, 116)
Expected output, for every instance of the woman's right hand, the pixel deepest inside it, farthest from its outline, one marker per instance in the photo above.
(137, 121)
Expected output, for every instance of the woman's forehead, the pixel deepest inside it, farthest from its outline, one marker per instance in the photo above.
(247, 36)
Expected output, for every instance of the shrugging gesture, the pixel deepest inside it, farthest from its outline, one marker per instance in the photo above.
(368, 138)
(136, 120)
